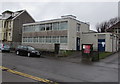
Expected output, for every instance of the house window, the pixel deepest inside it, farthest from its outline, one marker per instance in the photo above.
(25, 39)
(9, 24)
(48, 39)
(63, 39)
(56, 26)
(42, 27)
(35, 39)
(63, 25)
(49, 26)
(36, 28)
(55, 39)
(29, 28)
(30, 39)
(9, 34)
(42, 39)
(78, 27)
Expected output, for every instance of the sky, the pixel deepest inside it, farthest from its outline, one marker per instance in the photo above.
(91, 12)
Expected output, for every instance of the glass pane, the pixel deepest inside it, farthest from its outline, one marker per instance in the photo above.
(63, 25)
(49, 26)
(36, 28)
(78, 27)
(63, 39)
(42, 27)
(56, 26)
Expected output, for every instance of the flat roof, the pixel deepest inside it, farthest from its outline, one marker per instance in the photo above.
(53, 20)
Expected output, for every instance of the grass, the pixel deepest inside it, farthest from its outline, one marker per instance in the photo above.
(103, 55)
(65, 53)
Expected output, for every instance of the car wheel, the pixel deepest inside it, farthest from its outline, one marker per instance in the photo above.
(17, 52)
(28, 54)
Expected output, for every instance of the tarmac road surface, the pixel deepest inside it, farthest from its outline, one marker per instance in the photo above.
(62, 71)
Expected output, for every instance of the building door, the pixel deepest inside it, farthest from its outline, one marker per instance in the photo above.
(101, 45)
(78, 43)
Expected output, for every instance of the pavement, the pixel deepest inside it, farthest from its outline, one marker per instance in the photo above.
(61, 70)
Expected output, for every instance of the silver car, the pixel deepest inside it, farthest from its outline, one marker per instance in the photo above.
(4, 47)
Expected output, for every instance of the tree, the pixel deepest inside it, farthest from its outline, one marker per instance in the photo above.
(102, 27)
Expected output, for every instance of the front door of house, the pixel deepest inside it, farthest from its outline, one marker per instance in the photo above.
(78, 43)
(101, 45)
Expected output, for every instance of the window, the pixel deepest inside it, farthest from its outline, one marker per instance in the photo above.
(36, 28)
(78, 27)
(25, 29)
(63, 39)
(9, 24)
(29, 28)
(25, 39)
(32, 28)
(35, 39)
(63, 25)
(42, 27)
(9, 34)
(55, 39)
(42, 39)
(48, 39)
(56, 26)
(49, 26)
(30, 39)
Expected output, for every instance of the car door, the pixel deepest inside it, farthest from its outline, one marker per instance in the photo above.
(25, 50)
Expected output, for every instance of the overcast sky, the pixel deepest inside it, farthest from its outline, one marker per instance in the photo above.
(92, 12)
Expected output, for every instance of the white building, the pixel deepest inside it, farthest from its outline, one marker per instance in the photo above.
(101, 41)
(66, 31)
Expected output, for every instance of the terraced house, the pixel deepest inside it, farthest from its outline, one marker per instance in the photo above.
(65, 31)
(11, 25)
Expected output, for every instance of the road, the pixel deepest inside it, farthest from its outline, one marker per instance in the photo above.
(63, 71)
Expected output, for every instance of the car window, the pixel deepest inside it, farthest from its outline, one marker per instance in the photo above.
(24, 47)
(31, 48)
(6, 46)
(20, 47)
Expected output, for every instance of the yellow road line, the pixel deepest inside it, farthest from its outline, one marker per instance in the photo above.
(28, 76)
